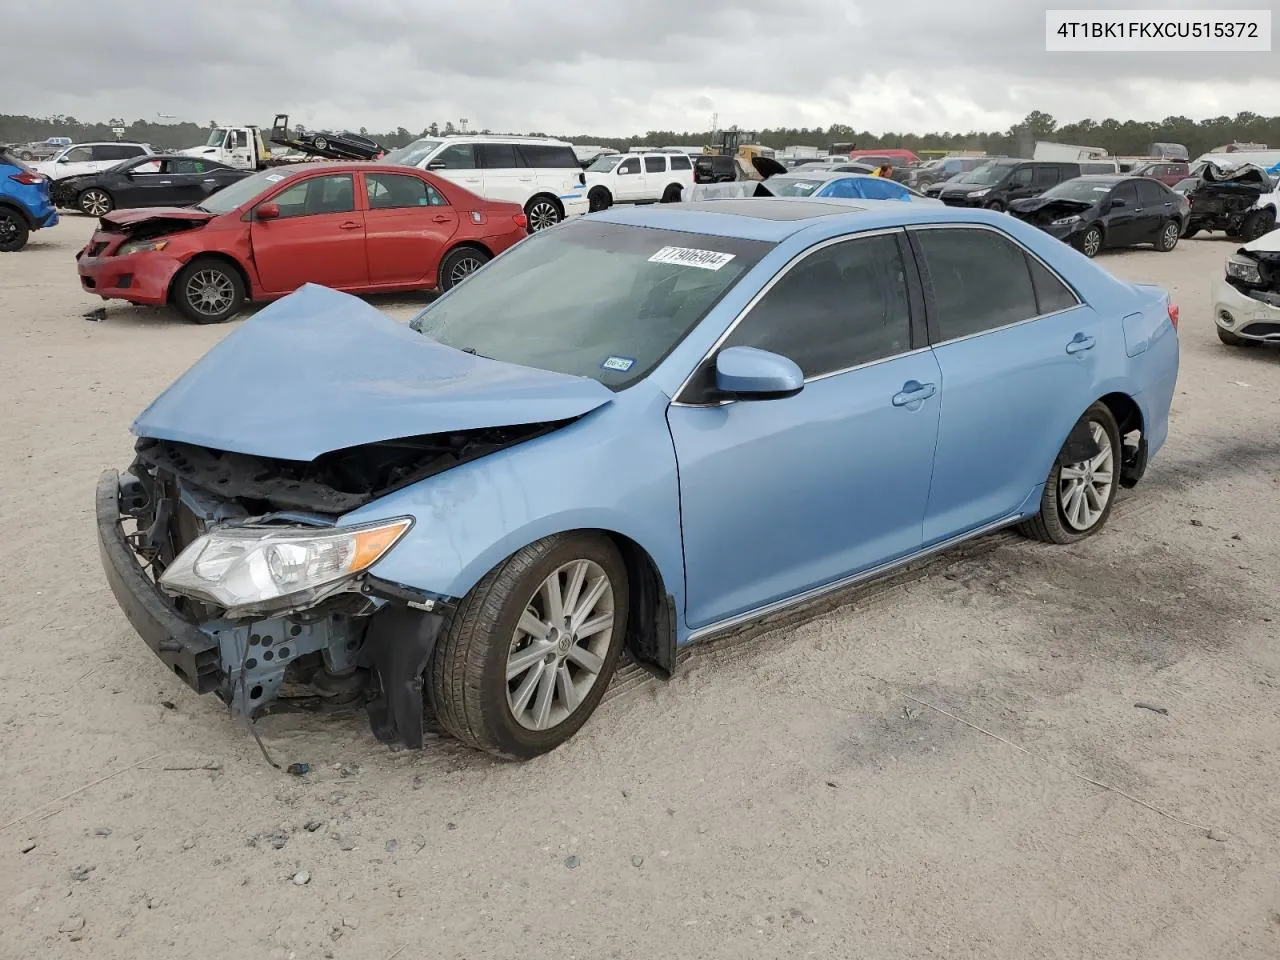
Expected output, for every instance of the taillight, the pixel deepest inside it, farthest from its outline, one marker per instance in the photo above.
(521, 220)
(1173, 314)
(26, 179)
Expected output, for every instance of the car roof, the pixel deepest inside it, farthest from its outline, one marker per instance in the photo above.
(774, 219)
(499, 138)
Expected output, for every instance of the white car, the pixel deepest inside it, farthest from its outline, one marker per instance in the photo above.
(82, 158)
(639, 178)
(1246, 300)
(541, 175)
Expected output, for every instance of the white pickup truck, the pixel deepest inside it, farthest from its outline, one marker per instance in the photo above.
(639, 178)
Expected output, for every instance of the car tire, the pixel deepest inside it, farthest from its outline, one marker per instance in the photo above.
(208, 290)
(1257, 224)
(542, 212)
(599, 199)
(94, 202)
(13, 230)
(1231, 340)
(1060, 519)
(995, 206)
(458, 265)
(1091, 242)
(488, 682)
(320, 143)
(671, 194)
(1168, 237)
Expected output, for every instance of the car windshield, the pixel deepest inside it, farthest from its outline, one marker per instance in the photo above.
(987, 173)
(216, 136)
(1089, 191)
(604, 164)
(413, 154)
(591, 298)
(794, 186)
(241, 192)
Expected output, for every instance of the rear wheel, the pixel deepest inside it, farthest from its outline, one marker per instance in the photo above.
(95, 202)
(320, 143)
(26, 155)
(542, 213)
(525, 658)
(13, 231)
(1168, 238)
(208, 291)
(459, 265)
(671, 194)
(1078, 496)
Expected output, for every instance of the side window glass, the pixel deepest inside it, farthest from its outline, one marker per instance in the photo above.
(840, 307)
(150, 166)
(457, 156)
(1052, 294)
(680, 163)
(1021, 177)
(979, 280)
(1150, 194)
(395, 191)
(1047, 176)
(655, 164)
(881, 189)
(498, 156)
(80, 155)
(329, 194)
(630, 165)
(846, 189)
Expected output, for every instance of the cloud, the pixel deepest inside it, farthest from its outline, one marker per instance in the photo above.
(569, 66)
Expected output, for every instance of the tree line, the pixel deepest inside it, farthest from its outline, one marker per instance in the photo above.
(1121, 138)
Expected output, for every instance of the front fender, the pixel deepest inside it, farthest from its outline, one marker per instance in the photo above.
(613, 470)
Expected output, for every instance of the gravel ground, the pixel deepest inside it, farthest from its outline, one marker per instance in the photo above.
(946, 764)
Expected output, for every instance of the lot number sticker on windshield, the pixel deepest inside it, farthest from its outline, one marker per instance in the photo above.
(618, 363)
(689, 257)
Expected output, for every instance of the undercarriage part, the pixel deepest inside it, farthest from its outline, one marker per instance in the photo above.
(398, 646)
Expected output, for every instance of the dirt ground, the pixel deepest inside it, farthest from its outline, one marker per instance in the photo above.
(817, 788)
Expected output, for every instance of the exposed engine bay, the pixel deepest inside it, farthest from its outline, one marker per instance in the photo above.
(1239, 200)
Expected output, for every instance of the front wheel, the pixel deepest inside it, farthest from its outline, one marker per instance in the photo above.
(599, 199)
(459, 265)
(95, 202)
(525, 658)
(13, 231)
(1168, 238)
(1078, 495)
(208, 291)
(1257, 224)
(1091, 242)
(542, 213)
(995, 206)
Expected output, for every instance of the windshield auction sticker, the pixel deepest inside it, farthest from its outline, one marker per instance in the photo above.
(1156, 31)
(690, 257)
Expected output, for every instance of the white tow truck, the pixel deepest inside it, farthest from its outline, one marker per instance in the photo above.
(243, 148)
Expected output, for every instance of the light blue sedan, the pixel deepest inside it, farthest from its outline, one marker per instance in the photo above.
(821, 184)
(630, 432)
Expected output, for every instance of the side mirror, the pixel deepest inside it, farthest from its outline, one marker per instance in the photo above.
(748, 373)
(267, 211)
(64, 160)
(1118, 202)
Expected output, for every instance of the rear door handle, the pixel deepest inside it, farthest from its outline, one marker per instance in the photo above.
(1080, 344)
(349, 225)
(913, 391)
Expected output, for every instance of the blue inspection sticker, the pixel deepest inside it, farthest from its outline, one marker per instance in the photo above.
(621, 364)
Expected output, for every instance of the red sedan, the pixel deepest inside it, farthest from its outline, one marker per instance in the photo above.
(358, 227)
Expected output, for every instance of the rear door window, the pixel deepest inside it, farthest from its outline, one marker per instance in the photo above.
(679, 162)
(976, 279)
(1149, 193)
(548, 156)
(655, 164)
(395, 191)
(1046, 176)
(498, 156)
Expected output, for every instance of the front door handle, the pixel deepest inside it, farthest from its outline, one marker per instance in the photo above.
(349, 225)
(1080, 344)
(913, 391)
(440, 219)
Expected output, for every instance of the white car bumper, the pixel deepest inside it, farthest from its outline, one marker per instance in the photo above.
(575, 203)
(1243, 316)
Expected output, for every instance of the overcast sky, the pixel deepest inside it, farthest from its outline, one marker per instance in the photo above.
(602, 66)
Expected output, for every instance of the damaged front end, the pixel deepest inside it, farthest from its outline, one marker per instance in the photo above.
(1247, 298)
(238, 574)
(1228, 198)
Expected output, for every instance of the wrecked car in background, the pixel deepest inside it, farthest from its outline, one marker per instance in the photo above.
(1240, 200)
(1094, 212)
(1246, 300)
(575, 451)
(156, 181)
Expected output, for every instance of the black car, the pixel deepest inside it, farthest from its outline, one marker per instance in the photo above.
(996, 183)
(340, 146)
(1093, 212)
(145, 182)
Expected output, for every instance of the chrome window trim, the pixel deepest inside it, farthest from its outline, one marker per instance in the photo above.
(1030, 253)
(762, 293)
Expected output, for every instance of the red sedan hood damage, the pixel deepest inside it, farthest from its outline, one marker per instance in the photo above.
(174, 218)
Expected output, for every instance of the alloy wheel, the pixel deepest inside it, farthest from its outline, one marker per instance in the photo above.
(559, 647)
(1170, 235)
(95, 203)
(1084, 488)
(8, 228)
(543, 214)
(210, 292)
(1092, 243)
(463, 268)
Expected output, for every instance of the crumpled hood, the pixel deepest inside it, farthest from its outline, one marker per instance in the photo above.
(1057, 206)
(132, 216)
(320, 370)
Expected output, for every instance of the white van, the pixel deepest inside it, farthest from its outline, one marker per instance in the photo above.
(540, 174)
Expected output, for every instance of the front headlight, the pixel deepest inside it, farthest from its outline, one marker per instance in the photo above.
(255, 569)
(980, 193)
(1243, 269)
(138, 246)
(1074, 218)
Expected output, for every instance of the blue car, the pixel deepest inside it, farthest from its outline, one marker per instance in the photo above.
(818, 184)
(630, 432)
(24, 202)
